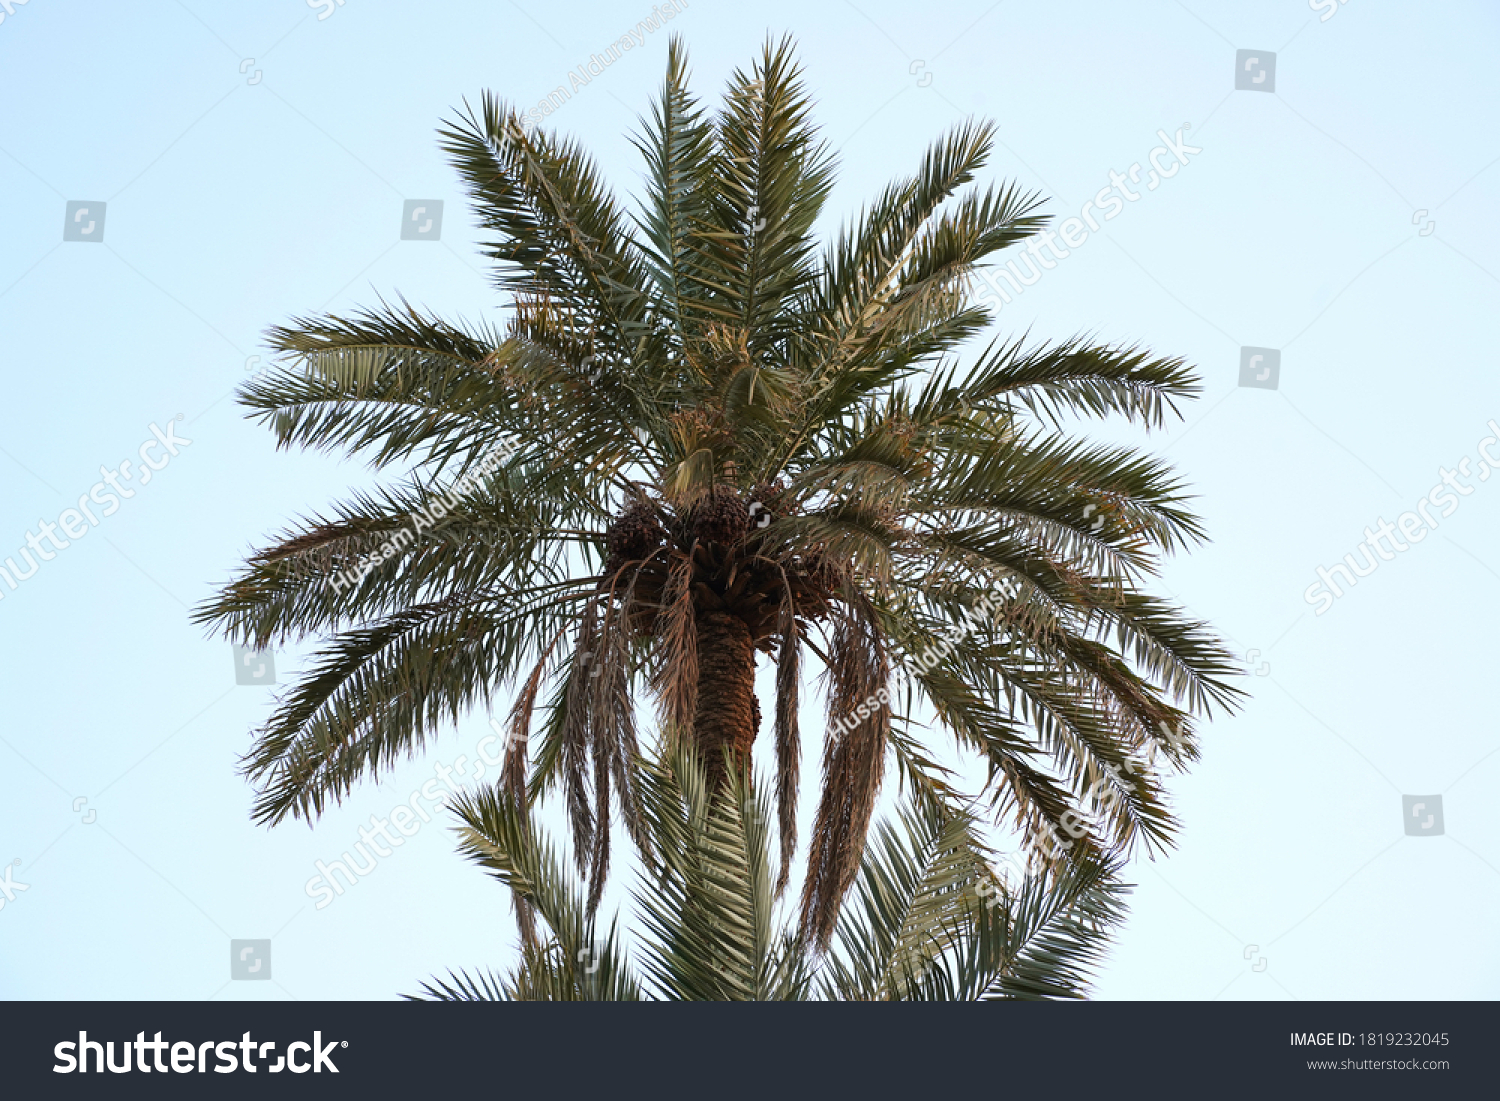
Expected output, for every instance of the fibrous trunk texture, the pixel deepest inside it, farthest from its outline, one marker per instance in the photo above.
(726, 716)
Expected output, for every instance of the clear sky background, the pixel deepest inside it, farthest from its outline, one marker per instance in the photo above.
(255, 160)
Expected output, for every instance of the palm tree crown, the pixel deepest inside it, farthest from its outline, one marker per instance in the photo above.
(701, 436)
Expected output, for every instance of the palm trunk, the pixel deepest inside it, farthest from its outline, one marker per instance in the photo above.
(727, 715)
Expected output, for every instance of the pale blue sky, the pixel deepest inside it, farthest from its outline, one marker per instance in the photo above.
(255, 161)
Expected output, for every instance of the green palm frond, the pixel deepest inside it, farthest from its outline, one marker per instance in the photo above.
(929, 919)
(464, 986)
(579, 962)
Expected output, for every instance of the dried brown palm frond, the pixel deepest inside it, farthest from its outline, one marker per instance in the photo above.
(859, 713)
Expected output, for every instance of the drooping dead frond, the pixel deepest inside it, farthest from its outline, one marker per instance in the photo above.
(513, 773)
(676, 676)
(788, 737)
(577, 735)
(859, 713)
(611, 716)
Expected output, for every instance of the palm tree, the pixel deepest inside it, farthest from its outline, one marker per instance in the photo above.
(700, 437)
(930, 920)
